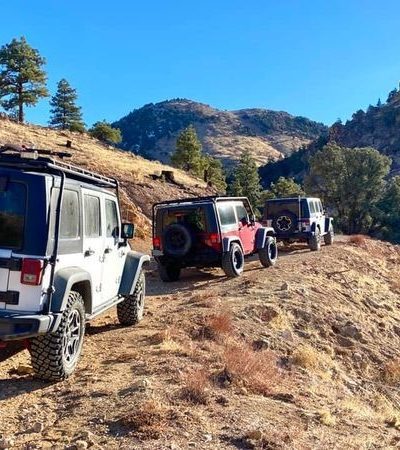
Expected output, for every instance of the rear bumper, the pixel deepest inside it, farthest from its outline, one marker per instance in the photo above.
(21, 326)
(299, 236)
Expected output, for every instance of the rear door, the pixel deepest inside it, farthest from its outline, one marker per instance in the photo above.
(113, 255)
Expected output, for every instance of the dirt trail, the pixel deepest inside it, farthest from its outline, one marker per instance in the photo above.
(317, 333)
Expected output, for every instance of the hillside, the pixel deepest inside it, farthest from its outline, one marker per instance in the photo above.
(138, 177)
(151, 131)
(377, 127)
(303, 355)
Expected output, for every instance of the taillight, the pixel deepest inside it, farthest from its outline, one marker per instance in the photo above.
(157, 243)
(213, 240)
(305, 221)
(32, 271)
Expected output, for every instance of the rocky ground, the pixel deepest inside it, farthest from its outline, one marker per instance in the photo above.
(304, 355)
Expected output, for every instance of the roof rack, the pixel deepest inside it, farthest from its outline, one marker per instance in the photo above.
(214, 198)
(29, 159)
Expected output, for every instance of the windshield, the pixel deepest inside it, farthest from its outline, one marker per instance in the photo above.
(12, 214)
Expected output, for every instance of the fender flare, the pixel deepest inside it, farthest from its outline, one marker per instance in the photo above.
(64, 280)
(133, 264)
(227, 242)
(261, 236)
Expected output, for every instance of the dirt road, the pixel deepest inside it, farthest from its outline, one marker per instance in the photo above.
(287, 357)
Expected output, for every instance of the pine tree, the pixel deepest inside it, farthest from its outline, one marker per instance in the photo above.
(188, 154)
(22, 79)
(65, 114)
(214, 173)
(246, 180)
(105, 132)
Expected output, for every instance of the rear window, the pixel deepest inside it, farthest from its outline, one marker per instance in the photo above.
(273, 208)
(12, 214)
(194, 218)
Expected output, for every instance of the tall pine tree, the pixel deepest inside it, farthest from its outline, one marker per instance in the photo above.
(22, 78)
(246, 180)
(188, 154)
(65, 114)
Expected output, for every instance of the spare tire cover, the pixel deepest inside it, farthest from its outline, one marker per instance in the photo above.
(285, 222)
(177, 240)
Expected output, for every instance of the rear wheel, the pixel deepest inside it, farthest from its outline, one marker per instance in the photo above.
(233, 261)
(55, 355)
(131, 310)
(314, 242)
(169, 273)
(268, 255)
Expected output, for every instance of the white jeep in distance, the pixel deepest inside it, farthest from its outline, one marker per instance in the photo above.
(64, 257)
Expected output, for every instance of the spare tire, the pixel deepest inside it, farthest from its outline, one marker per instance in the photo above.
(285, 222)
(177, 240)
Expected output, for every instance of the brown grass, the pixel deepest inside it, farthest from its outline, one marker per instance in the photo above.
(196, 386)
(358, 240)
(149, 419)
(216, 327)
(257, 371)
(391, 371)
(309, 358)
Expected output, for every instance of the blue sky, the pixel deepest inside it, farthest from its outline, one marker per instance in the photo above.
(320, 59)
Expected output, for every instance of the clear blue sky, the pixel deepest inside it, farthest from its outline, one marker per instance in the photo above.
(317, 58)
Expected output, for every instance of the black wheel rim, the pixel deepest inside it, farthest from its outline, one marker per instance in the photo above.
(237, 260)
(272, 251)
(72, 336)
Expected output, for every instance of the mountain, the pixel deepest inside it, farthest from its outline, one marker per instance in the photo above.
(377, 127)
(151, 131)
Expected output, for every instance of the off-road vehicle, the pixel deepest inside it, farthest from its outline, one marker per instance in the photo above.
(64, 257)
(300, 219)
(209, 232)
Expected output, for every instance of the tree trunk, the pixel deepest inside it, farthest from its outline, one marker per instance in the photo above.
(20, 105)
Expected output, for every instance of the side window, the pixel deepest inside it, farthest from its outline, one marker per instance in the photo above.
(227, 215)
(92, 216)
(317, 206)
(241, 213)
(112, 228)
(321, 208)
(69, 220)
(312, 208)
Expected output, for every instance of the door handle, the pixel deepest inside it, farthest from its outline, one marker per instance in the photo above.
(89, 252)
(107, 250)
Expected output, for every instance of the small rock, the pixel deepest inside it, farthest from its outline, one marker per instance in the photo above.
(254, 435)
(344, 341)
(260, 344)
(243, 391)
(285, 286)
(396, 329)
(81, 445)
(23, 370)
(287, 335)
(207, 437)
(351, 331)
(142, 385)
(37, 427)
(6, 443)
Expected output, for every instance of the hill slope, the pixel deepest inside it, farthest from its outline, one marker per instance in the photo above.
(303, 355)
(152, 130)
(378, 127)
(136, 175)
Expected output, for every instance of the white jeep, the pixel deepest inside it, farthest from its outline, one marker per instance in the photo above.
(64, 257)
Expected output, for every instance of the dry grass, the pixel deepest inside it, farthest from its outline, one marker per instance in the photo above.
(358, 240)
(196, 386)
(257, 371)
(326, 418)
(216, 327)
(148, 419)
(167, 342)
(391, 371)
(309, 358)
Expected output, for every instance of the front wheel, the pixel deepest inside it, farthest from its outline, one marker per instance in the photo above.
(314, 242)
(233, 261)
(329, 237)
(268, 255)
(55, 355)
(131, 310)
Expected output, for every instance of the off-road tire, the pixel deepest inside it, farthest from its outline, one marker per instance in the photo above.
(329, 237)
(268, 255)
(314, 243)
(48, 357)
(233, 261)
(131, 310)
(169, 273)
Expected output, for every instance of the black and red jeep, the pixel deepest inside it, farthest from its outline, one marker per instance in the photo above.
(209, 232)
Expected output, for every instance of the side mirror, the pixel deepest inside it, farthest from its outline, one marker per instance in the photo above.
(128, 231)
